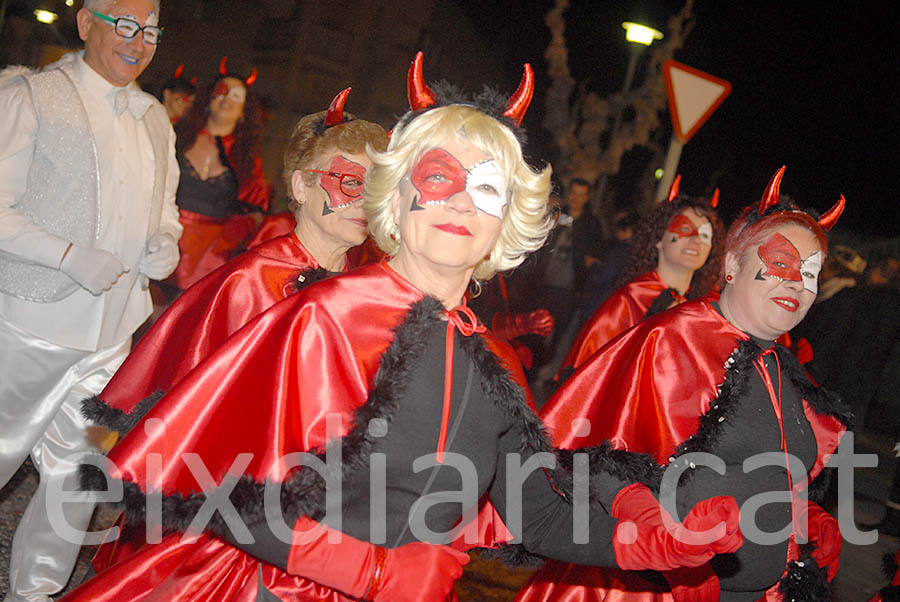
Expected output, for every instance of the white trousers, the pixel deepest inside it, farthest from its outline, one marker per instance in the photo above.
(41, 389)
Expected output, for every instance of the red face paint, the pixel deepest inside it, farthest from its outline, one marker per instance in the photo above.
(682, 226)
(438, 176)
(337, 198)
(221, 89)
(781, 257)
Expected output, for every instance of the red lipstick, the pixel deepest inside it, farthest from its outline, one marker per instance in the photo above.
(454, 229)
(787, 303)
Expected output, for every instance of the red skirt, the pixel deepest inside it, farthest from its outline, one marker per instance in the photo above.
(207, 243)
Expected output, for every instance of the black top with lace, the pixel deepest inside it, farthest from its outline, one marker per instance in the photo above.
(214, 197)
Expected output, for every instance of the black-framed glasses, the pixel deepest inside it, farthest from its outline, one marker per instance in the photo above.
(351, 183)
(128, 28)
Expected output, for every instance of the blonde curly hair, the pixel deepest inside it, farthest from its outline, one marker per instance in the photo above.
(527, 221)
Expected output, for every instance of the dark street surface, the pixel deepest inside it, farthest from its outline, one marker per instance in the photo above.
(490, 581)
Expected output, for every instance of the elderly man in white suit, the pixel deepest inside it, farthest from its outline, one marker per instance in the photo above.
(87, 214)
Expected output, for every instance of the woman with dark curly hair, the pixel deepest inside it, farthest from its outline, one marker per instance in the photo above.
(674, 256)
(218, 150)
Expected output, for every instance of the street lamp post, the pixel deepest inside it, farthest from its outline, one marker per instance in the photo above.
(640, 36)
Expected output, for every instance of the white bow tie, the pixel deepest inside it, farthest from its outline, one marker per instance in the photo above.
(132, 99)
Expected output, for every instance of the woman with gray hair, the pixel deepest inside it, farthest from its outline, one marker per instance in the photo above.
(418, 416)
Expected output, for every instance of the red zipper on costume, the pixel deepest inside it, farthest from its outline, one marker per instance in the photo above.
(467, 328)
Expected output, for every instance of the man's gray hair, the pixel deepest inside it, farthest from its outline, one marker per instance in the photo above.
(101, 6)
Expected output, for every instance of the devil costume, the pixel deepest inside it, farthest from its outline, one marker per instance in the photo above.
(268, 392)
(351, 366)
(687, 381)
(646, 294)
(214, 211)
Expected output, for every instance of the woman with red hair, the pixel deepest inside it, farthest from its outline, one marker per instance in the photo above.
(704, 388)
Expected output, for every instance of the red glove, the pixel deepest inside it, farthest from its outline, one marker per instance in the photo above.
(823, 531)
(414, 572)
(803, 350)
(510, 326)
(648, 538)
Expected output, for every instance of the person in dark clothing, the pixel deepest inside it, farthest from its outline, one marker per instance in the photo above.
(177, 95)
(603, 275)
(563, 263)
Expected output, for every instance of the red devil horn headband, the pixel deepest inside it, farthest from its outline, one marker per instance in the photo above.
(420, 95)
(521, 98)
(335, 113)
(223, 70)
(673, 189)
(179, 70)
(828, 220)
(714, 201)
(773, 192)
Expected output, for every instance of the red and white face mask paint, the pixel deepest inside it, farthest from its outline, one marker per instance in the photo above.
(343, 184)
(236, 94)
(439, 175)
(782, 261)
(682, 226)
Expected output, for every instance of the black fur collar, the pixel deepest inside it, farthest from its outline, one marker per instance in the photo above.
(734, 387)
(304, 491)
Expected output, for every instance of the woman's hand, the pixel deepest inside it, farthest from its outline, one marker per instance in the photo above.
(648, 538)
(415, 572)
(823, 531)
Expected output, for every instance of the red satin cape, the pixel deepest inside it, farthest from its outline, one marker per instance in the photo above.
(204, 316)
(622, 394)
(272, 226)
(624, 308)
(252, 396)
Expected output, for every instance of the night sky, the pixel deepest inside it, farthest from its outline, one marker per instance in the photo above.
(815, 87)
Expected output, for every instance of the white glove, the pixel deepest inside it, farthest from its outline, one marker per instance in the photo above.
(161, 256)
(94, 269)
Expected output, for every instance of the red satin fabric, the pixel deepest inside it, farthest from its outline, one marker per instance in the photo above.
(273, 226)
(204, 316)
(364, 254)
(256, 395)
(206, 244)
(624, 308)
(623, 394)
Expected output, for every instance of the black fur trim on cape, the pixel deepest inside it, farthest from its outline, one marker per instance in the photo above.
(804, 582)
(890, 593)
(734, 387)
(98, 412)
(661, 303)
(303, 492)
(306, 277)
(489, 101)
